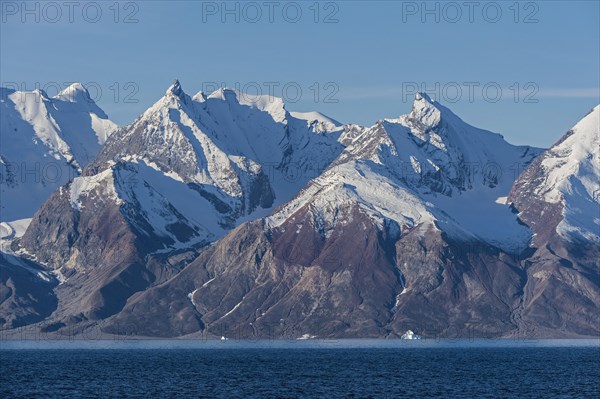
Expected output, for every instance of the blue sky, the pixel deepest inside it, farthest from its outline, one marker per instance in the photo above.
(363, 59)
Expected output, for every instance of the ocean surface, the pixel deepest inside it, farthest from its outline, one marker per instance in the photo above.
(307, 369)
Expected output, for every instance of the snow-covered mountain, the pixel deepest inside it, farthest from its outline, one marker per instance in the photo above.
(185, 172)
(209, 162)
(557, 197)
(407, 228)
(560, 192)
(221, 210)
(426, 167)
(45, 142)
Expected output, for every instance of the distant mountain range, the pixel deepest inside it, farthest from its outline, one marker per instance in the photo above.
(224, 214)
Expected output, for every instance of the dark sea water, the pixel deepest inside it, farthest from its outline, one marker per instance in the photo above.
(301, 371)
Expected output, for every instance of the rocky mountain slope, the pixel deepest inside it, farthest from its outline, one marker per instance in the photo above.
(395, 234)
(225, 214)
(558, 197)
(44, 143)
(184, 173)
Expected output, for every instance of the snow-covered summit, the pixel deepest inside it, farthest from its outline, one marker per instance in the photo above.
(574, 157)
(425, 111)
(231, 123)
(272, 105)
(429, 167)
(74, 93)
(243, 154)
(566, 176)
(175, 89)
(45, 142)
(434, 151)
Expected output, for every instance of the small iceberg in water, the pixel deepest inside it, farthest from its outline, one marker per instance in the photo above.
(307, 336)
(410, 335)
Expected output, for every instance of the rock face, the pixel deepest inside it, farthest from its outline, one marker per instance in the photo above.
(360, 281)
(226, 215)
(26, 292)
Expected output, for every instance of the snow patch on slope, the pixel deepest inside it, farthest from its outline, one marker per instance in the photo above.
(355, 183)
(102, 184)
(14, 229)
(320, 122)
